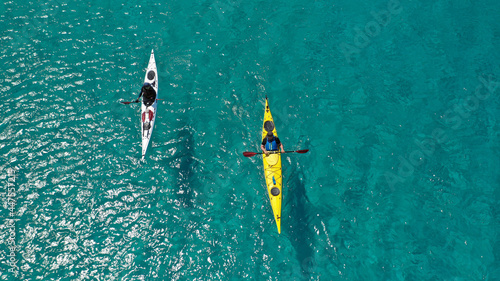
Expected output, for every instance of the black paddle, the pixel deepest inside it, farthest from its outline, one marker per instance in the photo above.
(136, 101)
(251, 154)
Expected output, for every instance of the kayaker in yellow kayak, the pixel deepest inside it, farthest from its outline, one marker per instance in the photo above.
(271, 143)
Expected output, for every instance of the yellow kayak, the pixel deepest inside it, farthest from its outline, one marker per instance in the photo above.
(272, 169)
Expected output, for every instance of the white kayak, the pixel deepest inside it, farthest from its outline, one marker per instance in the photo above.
(148, 113)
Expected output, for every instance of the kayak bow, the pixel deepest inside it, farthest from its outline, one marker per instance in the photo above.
(272, 169)
(148, 113)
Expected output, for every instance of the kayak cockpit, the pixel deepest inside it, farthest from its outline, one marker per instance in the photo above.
(275, 191)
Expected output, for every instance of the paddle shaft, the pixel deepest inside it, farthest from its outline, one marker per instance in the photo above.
(277, 152)
(251, 154)
(129, 102)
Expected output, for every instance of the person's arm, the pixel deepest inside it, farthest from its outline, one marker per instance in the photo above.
(140, 94)
(263, 146)
(280, 144)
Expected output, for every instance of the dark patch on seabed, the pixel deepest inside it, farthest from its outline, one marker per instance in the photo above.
(300, 230)
(185, 175)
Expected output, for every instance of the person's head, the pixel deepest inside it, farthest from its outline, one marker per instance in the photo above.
(270, 136)
(147, 85)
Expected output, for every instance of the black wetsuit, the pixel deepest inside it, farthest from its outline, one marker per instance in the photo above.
(149, 95)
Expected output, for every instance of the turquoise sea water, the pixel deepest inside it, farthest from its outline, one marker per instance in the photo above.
(397, 102)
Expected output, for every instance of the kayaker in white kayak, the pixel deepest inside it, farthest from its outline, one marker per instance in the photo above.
(271, 143)
(148, 93)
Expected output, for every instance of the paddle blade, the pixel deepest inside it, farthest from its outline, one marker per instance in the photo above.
(302, 151)
(249, 154)
(129, 102)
